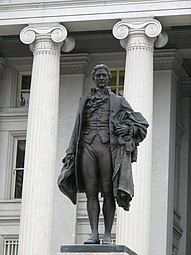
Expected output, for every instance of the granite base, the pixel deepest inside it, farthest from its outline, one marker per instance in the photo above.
(95, 249)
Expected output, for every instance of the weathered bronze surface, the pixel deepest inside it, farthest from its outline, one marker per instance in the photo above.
(102, 147)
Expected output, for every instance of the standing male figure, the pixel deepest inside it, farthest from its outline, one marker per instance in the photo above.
(102, 147)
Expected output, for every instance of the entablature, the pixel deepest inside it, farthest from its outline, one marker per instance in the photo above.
(84, 15)
(74, 63)
(170, 59)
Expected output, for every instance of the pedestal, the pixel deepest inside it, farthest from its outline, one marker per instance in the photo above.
(95, 249)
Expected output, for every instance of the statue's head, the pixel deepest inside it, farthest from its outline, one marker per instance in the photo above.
(101, 75)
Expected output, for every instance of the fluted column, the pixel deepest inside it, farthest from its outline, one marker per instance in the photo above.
(37, 199)
(138, 38)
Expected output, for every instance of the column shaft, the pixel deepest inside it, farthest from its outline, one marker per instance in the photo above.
(139, 92)
(138, 40)
(138, 87)
(37, 200)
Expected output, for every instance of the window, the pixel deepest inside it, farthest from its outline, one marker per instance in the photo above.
(18, 167)
(117, 81)
(10, 246)
(24, 89)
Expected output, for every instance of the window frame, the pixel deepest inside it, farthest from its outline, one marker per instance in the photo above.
(9, 238)
(14, 168)
(20, 75)
(117, 87)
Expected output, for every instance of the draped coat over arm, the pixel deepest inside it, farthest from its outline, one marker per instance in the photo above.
(123, 150)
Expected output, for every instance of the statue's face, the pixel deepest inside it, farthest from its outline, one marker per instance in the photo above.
(101, 78)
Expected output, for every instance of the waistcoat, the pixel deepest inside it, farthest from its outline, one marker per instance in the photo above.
(97, 123)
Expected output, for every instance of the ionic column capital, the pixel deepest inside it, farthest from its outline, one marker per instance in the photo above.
(47, 38)
(143, 33)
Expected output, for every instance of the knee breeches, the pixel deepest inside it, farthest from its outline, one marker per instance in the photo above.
(97, 168)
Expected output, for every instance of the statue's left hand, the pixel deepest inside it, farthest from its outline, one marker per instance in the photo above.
(67, 160)
(123, 130)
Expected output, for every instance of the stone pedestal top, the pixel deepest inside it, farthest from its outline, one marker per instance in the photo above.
(94, 249)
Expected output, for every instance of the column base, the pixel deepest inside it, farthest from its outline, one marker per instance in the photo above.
(95, 249)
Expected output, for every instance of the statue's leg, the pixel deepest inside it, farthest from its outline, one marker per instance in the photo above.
(108, 212)
(106, 172)
(91, 181)
(93, 209)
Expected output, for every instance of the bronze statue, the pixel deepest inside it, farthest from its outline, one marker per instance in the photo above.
(102, 147)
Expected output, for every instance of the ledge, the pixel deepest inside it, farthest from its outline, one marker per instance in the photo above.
(90, 11)
(10, 211)
(96, 249)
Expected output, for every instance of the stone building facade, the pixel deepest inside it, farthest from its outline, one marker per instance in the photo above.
(47, 51)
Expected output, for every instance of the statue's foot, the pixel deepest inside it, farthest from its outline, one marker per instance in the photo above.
(107, 240)
(93, 239)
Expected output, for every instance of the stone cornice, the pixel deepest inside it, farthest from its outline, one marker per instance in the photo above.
(13, 114)
(13, 119)
(42, 4)
(21, 64)
(10, 211)
(63, 10)
(74, 63)
(169, 60)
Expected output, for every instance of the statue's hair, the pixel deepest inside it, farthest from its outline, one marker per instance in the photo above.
(101, 66)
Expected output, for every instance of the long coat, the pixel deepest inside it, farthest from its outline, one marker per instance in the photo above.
(123, 150)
